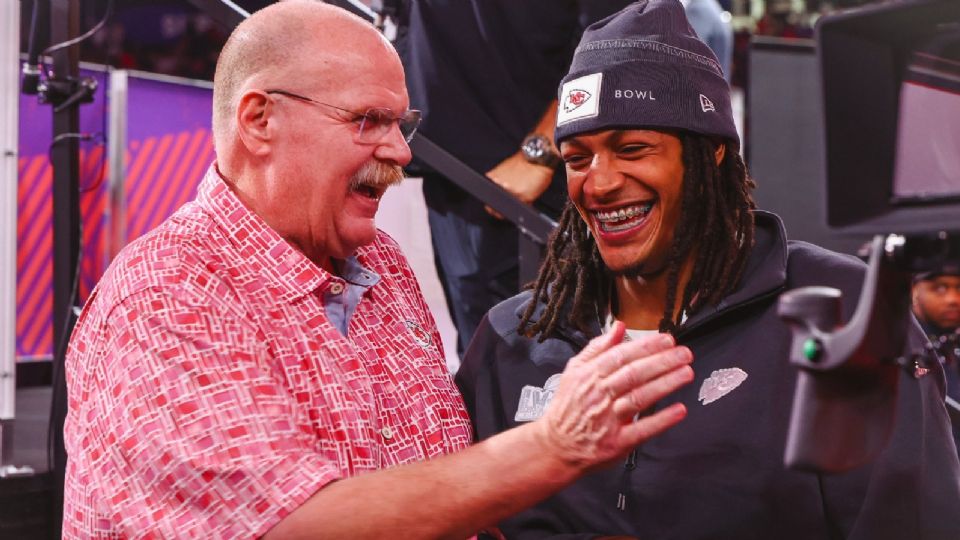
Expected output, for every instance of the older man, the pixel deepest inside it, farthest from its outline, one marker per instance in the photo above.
(661, 233)
(262, 364)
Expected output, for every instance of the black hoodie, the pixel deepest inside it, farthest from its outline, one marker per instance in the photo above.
(720, 472)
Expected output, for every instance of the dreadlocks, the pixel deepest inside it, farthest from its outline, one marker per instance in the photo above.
(715, 223)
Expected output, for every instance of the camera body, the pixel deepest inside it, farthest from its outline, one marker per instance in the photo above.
(891, 85)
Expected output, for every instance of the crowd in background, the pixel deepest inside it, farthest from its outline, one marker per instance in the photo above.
(174, 38)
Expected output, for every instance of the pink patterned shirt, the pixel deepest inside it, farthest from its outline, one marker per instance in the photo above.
(209, 395)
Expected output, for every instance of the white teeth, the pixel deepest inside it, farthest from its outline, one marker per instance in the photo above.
(624, 213)
(619, 227)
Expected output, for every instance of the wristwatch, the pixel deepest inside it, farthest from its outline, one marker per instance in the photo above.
(537, 149)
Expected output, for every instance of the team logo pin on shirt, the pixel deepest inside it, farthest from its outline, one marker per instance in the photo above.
(421, 336)
(720, 383)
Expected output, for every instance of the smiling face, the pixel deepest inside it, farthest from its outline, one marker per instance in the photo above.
(302, 164)
(627, 186)
(331, 180)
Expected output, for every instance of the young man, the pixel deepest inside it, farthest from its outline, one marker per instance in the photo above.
(936, 304)
(263, 365)
(661, 233)
(936, 300)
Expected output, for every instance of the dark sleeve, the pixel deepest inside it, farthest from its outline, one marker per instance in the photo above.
(913, 489)
(592, 11)
(477, 383)
(493, 368)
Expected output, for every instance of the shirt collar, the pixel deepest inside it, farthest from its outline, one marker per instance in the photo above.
(281, 265)
(351, 270)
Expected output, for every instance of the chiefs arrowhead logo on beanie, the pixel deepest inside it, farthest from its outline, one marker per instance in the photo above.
(644, 67)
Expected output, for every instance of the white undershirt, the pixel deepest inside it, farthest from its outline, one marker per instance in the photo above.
(633, 334)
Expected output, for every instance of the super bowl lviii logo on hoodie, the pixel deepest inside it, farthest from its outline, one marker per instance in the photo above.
(534, 400)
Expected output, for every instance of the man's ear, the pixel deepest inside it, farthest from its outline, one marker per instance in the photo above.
(720, 152)
(253, 121)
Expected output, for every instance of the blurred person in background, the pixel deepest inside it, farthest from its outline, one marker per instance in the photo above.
(936, 304)
(485, 74)
(712, 25)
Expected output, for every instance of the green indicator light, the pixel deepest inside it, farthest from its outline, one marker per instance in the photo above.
(812, 349)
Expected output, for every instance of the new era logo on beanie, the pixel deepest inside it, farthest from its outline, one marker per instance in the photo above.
(706, 104)
(655, 73)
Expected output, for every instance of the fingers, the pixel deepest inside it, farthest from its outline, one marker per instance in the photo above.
(617, 356)
(645, 396)
(641, 369)
(636, 433)
(604, 386)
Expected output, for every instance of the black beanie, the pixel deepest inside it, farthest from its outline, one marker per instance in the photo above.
(944, 268)
(644, 67)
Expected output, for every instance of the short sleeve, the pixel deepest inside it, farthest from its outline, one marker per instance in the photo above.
(184, 429)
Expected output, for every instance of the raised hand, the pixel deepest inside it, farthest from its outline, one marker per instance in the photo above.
(590, 420)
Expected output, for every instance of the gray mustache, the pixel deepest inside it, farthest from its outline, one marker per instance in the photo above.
(377, 174)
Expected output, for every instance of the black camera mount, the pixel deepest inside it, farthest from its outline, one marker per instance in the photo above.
(846, 390)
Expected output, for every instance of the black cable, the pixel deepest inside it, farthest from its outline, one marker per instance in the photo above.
(70, 42)
(32, 40)
(102, 142)
(59, 353)
(61, 347)
(31, 69)
(98, 137)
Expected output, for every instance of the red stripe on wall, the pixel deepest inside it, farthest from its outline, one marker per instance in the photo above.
(36, 324)
(158, 186)
(178, 182)
(92, 164)
(33, 191)
(144, 152)
(198, 169)
(141, 187)
(34, 243)
(37, 216)
(33, 315)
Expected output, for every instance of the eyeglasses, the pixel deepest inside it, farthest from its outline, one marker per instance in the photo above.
(375, 124)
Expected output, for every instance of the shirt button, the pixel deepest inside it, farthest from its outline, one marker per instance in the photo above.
(336, 288)
(387, 433)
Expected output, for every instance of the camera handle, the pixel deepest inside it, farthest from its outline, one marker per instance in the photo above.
(844, 401)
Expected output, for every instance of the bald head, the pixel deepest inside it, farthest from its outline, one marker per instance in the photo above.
(274, 44)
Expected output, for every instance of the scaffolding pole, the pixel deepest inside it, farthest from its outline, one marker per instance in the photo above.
(9, 123)
(116, 153)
